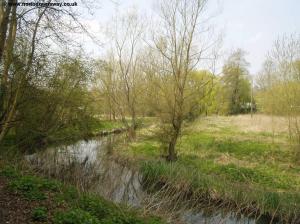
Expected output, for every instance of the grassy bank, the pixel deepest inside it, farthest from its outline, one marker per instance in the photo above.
(235, 162)
(28, 198)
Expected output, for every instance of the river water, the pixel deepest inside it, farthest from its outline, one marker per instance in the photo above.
(89, 165)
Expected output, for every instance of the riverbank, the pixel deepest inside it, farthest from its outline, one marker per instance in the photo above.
(26, 197)
(66, 135)
(239, 163)
(227, 164)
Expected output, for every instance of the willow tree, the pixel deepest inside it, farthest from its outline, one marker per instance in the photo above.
(180, 29)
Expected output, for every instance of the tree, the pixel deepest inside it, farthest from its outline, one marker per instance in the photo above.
(200, 95)
(61, 102)
(106, 88)
(178, 55)
(280, 84)
(126, 35)
(236, 83)
(26, 37)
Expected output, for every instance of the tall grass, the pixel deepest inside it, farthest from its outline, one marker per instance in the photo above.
(204, 190)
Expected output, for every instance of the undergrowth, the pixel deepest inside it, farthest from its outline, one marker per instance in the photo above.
(73, 207)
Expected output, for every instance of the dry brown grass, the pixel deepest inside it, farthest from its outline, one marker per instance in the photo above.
(260, 123)
(259, 127)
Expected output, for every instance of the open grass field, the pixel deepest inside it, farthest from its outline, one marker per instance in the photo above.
(238, 162)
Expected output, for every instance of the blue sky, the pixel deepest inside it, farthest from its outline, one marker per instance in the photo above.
(252, 25)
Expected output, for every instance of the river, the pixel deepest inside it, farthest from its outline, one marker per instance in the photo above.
(89, 165)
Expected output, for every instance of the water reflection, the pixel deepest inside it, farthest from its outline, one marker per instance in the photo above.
(89, 165)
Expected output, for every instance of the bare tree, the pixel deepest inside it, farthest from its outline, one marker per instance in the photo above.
(279, 82)
(107, 86)
(127, 36)
(179, 54)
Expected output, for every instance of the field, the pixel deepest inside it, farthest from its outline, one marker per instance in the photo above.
(238, 162)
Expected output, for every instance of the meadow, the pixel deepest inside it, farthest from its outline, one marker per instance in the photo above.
(241, 163)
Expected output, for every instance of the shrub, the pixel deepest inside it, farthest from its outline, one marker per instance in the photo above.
(39, 214)
(32, 187)
(75, 216)
(95, 206)
(9, 172)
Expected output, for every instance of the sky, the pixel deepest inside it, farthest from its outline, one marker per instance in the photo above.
(252, 25)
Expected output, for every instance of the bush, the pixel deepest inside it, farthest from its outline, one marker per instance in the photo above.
(75, 216)
(95, 206)
(39, 214)
(32, 187)
(106, 212)
(9, 172)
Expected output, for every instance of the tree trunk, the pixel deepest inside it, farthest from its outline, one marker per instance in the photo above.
(110, 114)
(8, 58)
(131, 133)
(114, 115)
(3, 27)
(9, 117)
(172, 155)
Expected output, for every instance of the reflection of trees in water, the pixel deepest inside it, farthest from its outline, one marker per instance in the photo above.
(89, 166)
(119, 183)
(109, 144)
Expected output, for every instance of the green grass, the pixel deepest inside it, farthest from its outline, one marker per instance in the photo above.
(218, 159)
(72, 206)
(147, 148)
(105, 125)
